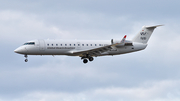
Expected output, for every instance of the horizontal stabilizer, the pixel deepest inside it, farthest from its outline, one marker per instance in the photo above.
(149, 27)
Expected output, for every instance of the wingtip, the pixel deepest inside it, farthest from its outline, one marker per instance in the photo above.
(125, 36)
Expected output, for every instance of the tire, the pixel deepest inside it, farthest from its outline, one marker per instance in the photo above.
(26, 60)
(91, 59)
(85, 61)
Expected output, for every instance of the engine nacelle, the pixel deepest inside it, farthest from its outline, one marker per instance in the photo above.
(114, 41)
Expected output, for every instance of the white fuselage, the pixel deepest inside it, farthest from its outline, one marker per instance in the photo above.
(67, 47)
(87, 49)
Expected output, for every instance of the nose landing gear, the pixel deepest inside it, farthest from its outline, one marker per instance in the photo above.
(26, 60)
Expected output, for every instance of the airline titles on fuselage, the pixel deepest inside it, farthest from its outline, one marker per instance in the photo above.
(60, 47)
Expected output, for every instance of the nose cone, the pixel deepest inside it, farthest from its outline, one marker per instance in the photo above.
(20, 50)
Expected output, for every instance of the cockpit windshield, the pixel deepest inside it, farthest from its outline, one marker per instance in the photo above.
(29, 43)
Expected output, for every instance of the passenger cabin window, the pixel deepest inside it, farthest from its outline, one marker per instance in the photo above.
(91, 44)
(87, 44)
(52, 44)
(95, 44)
(69, 44)
(61, 44)
(29, 43)
(47, 44)
(82, 44)
(99, 44)
(65, 44)
(74, 44)
(78, 44)
(56, 44)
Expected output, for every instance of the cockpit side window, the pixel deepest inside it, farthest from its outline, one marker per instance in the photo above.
(29, 43)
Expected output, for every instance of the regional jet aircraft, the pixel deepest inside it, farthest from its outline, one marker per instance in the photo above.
(87, 49)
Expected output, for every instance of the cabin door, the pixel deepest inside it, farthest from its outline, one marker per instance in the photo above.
(41, 45)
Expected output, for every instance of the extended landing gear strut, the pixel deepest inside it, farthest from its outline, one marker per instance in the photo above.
(85, 59)
(26, 60)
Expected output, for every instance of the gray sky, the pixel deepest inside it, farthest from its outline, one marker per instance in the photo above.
(148, 75)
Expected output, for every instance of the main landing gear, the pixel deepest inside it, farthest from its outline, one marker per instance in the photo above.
(91, 58)
(85, 60)
(26, 60)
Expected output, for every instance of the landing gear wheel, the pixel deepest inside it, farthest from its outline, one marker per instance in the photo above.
(91, 59)
(26, 60)
(85, 61)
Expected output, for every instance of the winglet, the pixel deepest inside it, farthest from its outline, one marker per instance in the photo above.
(123, 40)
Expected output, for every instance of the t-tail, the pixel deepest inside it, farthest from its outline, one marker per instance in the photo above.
(144, 35)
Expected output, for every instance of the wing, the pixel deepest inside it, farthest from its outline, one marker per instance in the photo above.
(98, 51)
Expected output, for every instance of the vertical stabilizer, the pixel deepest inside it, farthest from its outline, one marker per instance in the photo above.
(144, 35)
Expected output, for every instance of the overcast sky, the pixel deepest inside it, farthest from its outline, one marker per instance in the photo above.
(149, 75)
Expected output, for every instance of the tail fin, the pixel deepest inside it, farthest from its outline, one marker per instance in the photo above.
(144, 35)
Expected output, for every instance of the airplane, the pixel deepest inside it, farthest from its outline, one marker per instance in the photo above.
(87, 49)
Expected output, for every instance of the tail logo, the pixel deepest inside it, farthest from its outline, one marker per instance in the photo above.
(143, 33)
(143, 38)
